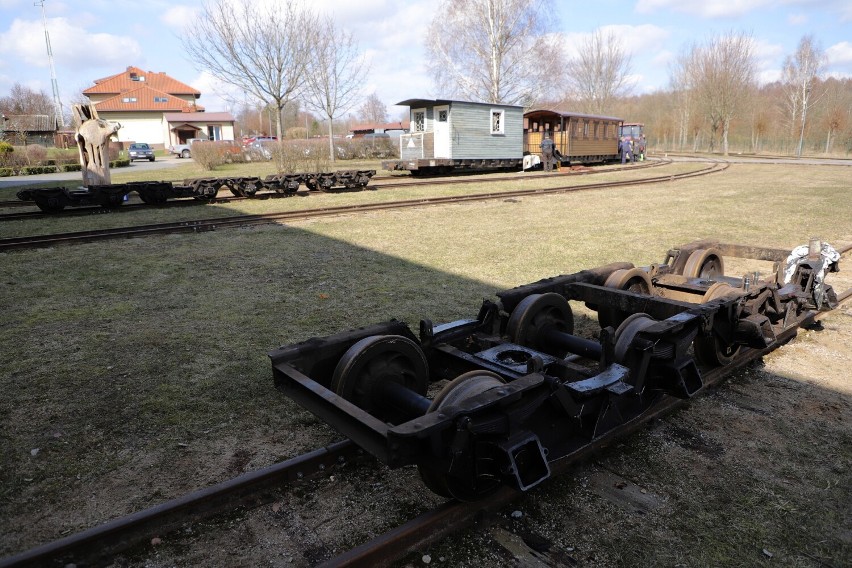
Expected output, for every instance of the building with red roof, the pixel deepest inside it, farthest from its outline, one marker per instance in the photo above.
(155, 108)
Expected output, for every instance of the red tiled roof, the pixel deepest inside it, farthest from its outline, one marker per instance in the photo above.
(145, 98)
(131, 78)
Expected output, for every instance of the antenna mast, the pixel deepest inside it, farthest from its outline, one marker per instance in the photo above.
(57, 103)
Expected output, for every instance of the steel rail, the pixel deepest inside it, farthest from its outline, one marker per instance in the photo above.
(37, 241)
(381, 183)
(96, 544)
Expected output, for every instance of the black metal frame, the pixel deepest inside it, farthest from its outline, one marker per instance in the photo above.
(551, 405)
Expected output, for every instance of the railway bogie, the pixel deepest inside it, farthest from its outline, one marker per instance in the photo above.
(520, 391)
(55, 199)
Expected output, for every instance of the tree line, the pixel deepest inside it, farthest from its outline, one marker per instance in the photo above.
(294, 65)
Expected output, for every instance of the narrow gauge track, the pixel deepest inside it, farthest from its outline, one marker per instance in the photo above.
(98, 544)
(386, 183)
(196, 226)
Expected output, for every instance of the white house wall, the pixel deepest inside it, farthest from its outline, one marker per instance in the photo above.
(139, 127)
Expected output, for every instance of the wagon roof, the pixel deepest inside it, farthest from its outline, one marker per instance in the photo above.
(415, 103)
(568, 114)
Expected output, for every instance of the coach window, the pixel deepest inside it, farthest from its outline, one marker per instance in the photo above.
(585, 129)
(442, 115)
(497, 117)
(419, 120)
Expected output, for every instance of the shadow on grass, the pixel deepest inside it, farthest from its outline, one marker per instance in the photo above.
(136, 371)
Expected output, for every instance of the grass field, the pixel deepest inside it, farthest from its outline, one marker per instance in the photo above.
(136, 370)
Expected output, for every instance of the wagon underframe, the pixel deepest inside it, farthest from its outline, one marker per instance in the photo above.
(521, 390)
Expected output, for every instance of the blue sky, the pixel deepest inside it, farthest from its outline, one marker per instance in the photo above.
(97, 38)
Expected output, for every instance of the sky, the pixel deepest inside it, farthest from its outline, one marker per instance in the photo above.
(93, 39)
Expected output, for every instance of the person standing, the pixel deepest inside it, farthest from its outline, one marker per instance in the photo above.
(624, 146)
(547, 152)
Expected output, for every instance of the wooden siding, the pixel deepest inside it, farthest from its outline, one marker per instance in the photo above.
(582, 138)
(470, 132)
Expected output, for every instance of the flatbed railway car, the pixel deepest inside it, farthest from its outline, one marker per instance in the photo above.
(579, 138)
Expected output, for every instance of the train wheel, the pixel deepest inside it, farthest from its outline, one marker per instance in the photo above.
(635, 280)
(534, 313)
(711, 351)
(704, 263)
(460, 389)
(378, 359)
(626, 332)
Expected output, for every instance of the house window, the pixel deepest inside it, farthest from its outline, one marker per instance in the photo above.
(128, 100)
(442, 115)
(161, 99)
(419, 120)
(214, 132)
(497, 121)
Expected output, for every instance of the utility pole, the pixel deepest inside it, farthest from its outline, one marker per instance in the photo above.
(57, 103)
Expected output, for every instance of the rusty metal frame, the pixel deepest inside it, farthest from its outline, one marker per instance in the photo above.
(552, 404)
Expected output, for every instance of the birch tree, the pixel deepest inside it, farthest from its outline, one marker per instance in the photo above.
(260, 48)
(334, 76)
(801, 72)
(600, 72)
(493, 51)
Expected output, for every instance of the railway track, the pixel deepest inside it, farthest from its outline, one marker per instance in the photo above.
(40, 241)
(97, 545)
(386, 183)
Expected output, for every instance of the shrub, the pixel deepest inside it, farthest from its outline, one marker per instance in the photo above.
(208, 155)
(71, 167)
(36, 154)
(120, 163)
(6, 151)
(299, 156)
(6, 172)
(31, 170)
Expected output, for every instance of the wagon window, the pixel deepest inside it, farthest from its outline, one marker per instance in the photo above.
(585, 129)
(497, 121)
(419, 120)
(442, 116)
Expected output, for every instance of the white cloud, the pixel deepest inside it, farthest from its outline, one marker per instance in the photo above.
(840, 53)
(177, 17)
(72, 46)
(797, 19)
(706, 9)
(646, 38)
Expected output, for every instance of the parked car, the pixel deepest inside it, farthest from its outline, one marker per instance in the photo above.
(141, 151)
(184, 150)
(257, 150)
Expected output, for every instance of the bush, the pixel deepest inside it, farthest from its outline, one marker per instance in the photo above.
(122, 163)
(31, 170)
(36, 154)
(294, 156)
(71, 167)
(6, 172)
(6, 151)
(208, 155)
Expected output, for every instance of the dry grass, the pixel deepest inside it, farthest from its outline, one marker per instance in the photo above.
(137, 369)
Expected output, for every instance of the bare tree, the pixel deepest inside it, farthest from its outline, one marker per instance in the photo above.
(801, 71)
(600, 72)
(334, 76)
(682, 97)
(721, 72)
(261, 48)
(492, 51)
(23, 100)
(373, 110)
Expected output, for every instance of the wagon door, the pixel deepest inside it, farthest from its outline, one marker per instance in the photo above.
(442, 131)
